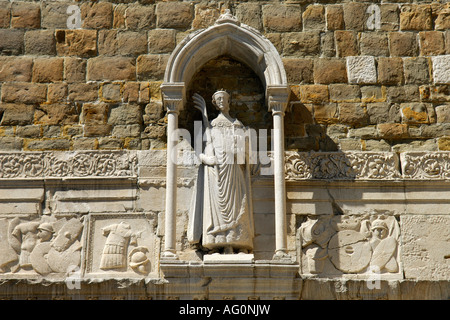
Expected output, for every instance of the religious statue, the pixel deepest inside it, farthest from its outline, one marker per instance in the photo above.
(221, 216)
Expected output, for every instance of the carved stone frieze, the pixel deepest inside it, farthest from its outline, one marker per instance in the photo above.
(365, 245)
(426, 165)
(67, 164)
(342, 166)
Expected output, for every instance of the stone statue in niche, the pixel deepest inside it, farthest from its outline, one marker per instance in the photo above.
(351, 244)
(221, 216)
(44, 246)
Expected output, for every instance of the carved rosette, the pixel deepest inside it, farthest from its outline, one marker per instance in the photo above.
(342, 166)
(67, 164)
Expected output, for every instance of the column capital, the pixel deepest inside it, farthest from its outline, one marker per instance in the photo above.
(174, 96)
(277, 98)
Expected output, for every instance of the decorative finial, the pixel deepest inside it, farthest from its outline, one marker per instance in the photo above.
(227, 17)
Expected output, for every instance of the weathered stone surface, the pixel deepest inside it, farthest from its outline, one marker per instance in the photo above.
(74, 69)
(176, 15)
(250, 14)
(22, 92)
(442, 21)
(441, 69)
(361, 69)
(126, 43)
(57, 92)
(161, 40)
(352, 114)
(139, 17)
(11, 42)
(151, 67)
(54, 14)
(16, 114)
(327, 44)
(417, 70)
(5, 14)
(326, 113)
(330, 71)
(40, 42)
(416, 113)
(111, 68)
(205, 15)
(355, 16)
(25, 15)
(378, 112)
(344, 93)
(390, 17)
(125, 114)
(48, 69)
(335, 17)
(301, 43)
(416, 17)
(55, 114)
(110, 92)
(406, 93)
(299, 70)
(373, 94)
(346, 43)
(317, 94)
(15, 68)
(82, 92)
(96, 15)
(314, 18)
(393, 130)
(282, 18)
(374, 44)
(11, 143)
(443, 113)
(47, 144)
(431, 43)
(390, 71)
(403, 44)
(81, 43)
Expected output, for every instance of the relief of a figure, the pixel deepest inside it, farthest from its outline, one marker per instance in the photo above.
(221, 217)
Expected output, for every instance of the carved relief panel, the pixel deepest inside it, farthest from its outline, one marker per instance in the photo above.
(362, 246)
(122, 246)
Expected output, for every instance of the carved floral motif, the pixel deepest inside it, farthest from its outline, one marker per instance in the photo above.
(430, 165)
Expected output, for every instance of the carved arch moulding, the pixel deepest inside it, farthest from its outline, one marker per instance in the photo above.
(227, 37)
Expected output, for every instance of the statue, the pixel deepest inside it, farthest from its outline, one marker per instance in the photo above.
(221, 216)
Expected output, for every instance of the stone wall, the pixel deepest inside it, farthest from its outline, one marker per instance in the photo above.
(365, 75)
(367, 135)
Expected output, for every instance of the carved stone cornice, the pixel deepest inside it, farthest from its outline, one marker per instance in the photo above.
(426, 165)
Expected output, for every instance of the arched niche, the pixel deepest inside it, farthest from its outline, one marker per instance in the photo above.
(227, 37)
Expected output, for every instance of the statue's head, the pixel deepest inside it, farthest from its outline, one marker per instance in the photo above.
(221, 100)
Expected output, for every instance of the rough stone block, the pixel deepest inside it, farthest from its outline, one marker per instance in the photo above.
(393, 130)
(317, 94)
(250, 14)
(118, 42)
(47, 144)
(175, 15)
(442, 21)
(441, 69)
(151, 67)
(374, 44)
(330, 71)
(205, 14)
(432, 43)
(11, 143)
(299, 70)
(378, 112)
(125, 114)
(403, 44)
(56, 114)
(80, 42)
(130, 92)
(98, 15)
(54, 14)
(415, 113)
(361, 69)
(74, 69)
(417, 70)
(25, 15)
(335, 17)
(48, 69)
(119, 16)
(416, 17)
(344, 93)
(15, 68)
(5, 14)
(161, 40)
(11, 42)
(94, 113)
(327, 44)
(373, 94)
(57, 92)
(390, 17)
(40, 42)
(82, 92)
(282, 18)
(139, 17)
(353, 114)
(355, 16)
(16, 114)
(326, 113)
(23, 92)
(443, 113)
(390, 71)
(346, 43)
(314, 18)
(110, 92)
(111, 68)
(301, 43)
(406, 93)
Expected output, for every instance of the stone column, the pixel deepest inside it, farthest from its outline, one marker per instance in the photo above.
(173, 97)
(277, 100)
